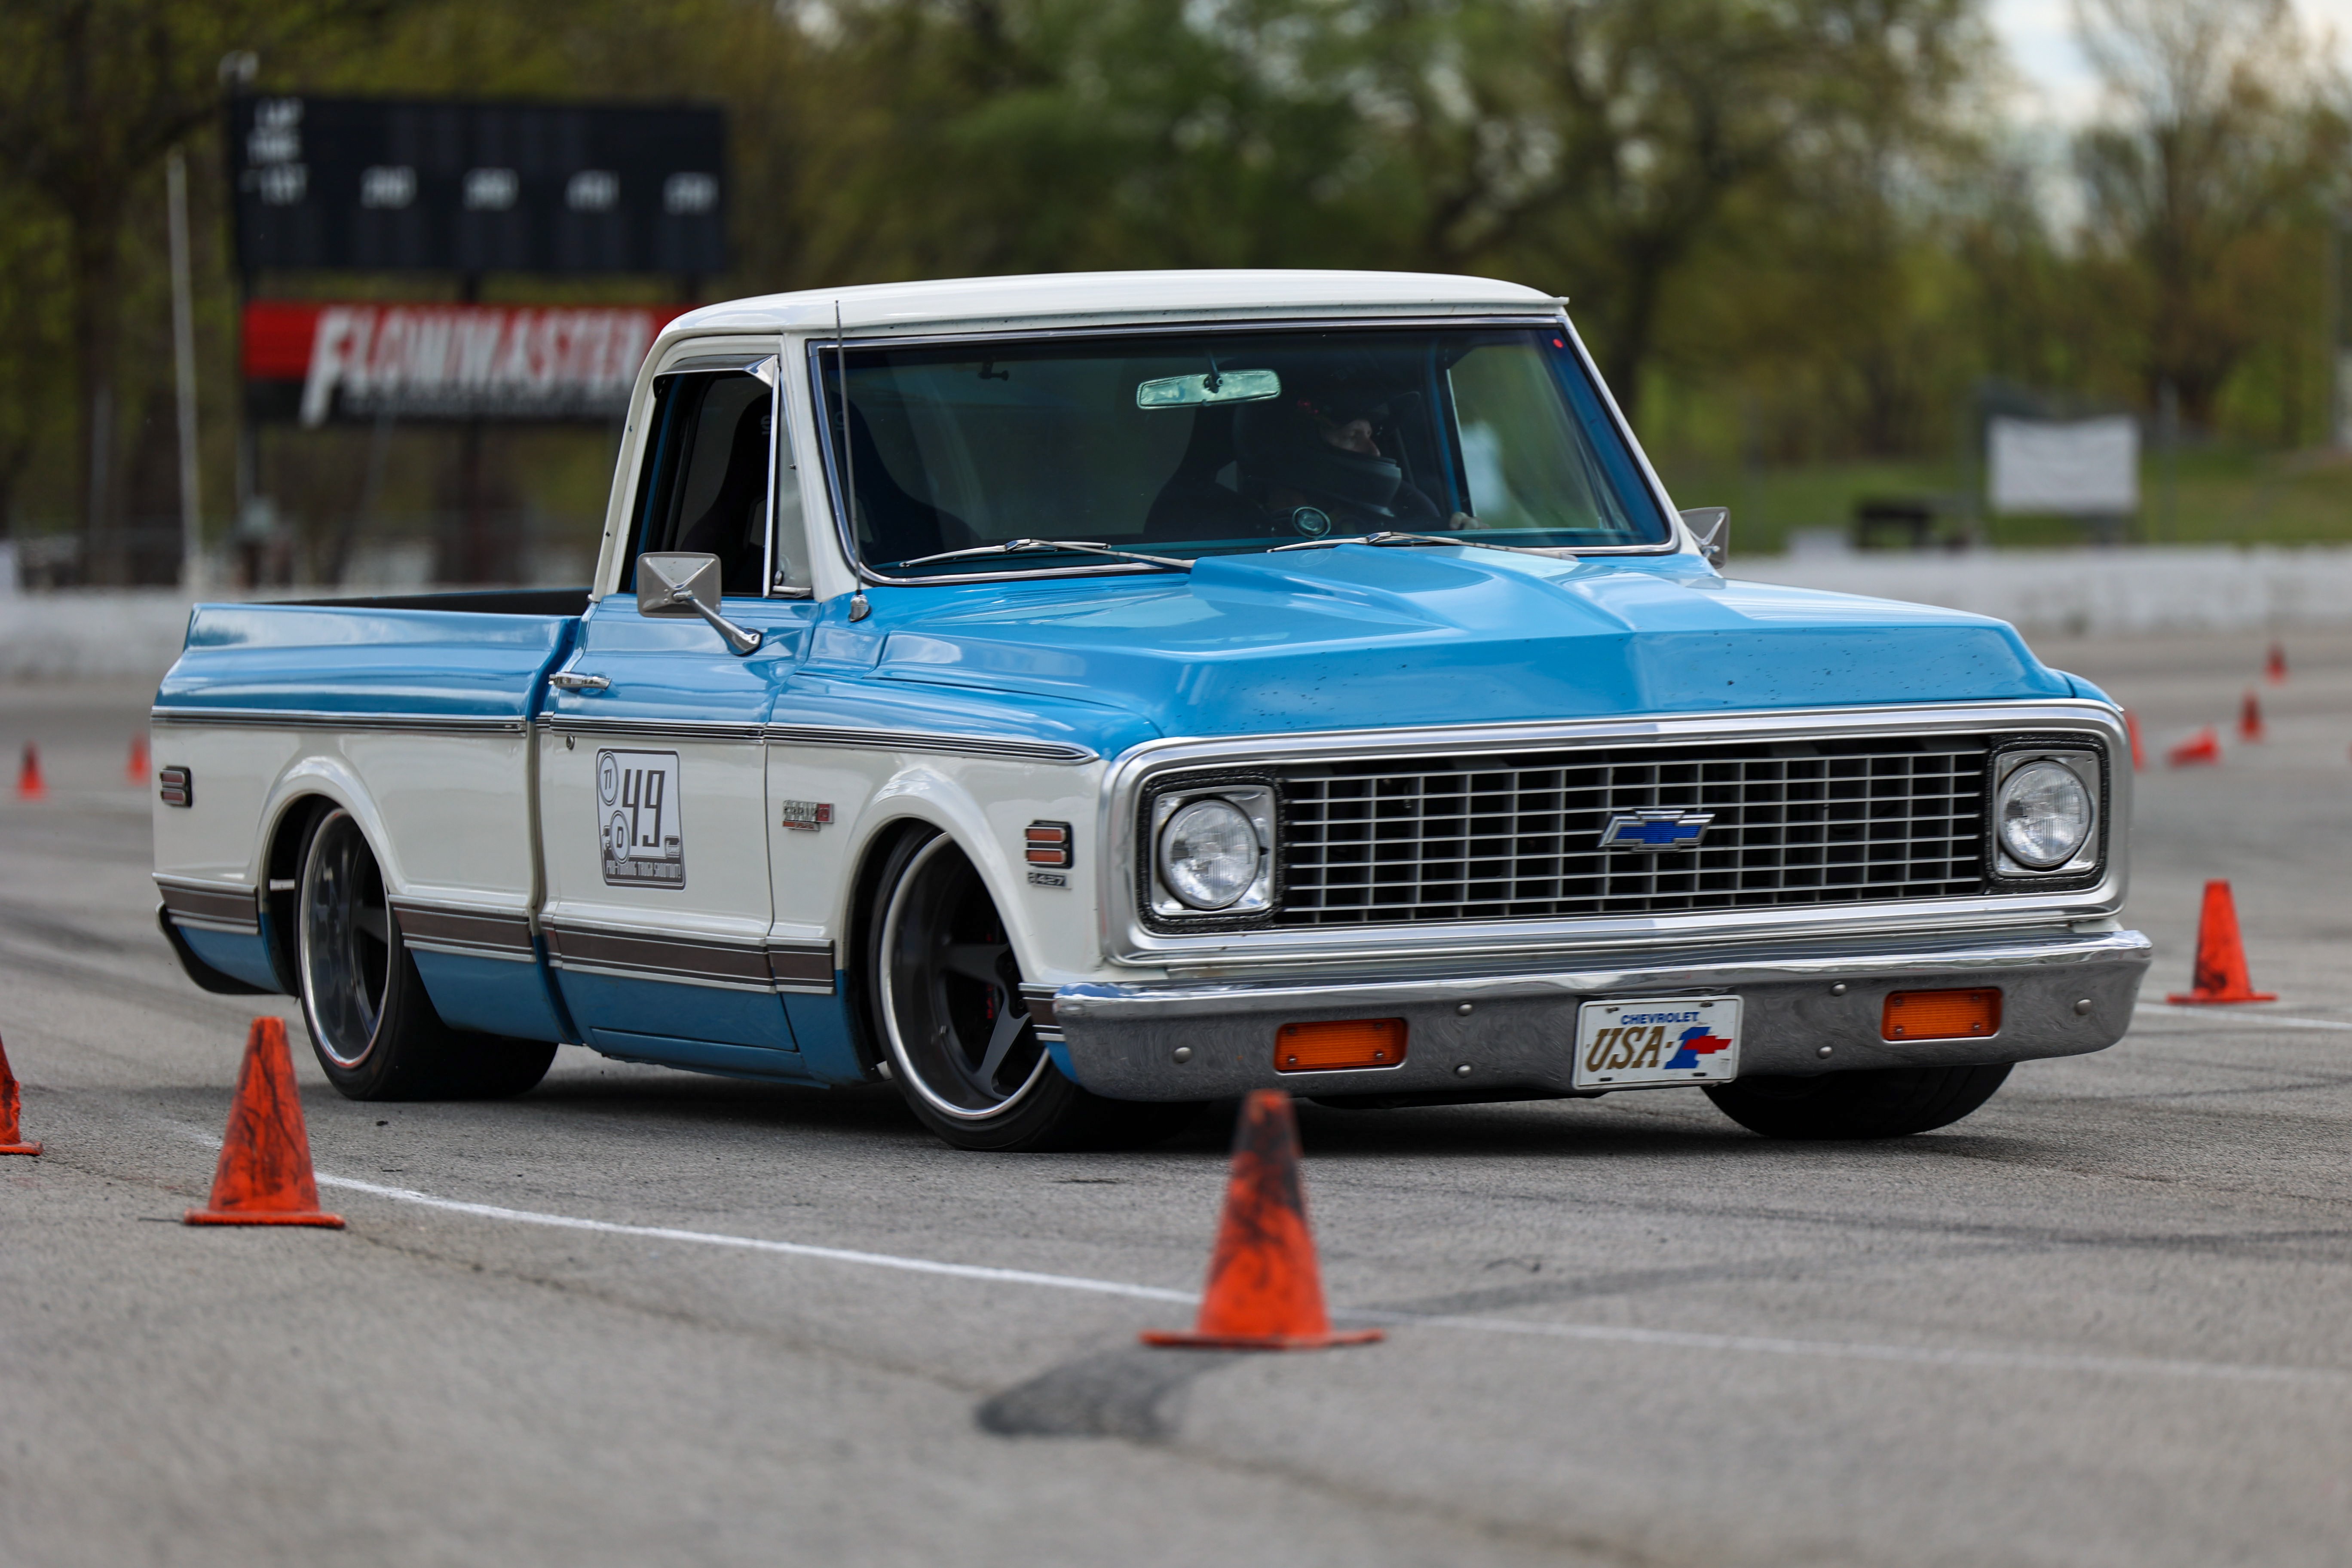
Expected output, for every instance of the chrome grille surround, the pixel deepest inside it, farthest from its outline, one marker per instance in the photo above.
(1520, 902)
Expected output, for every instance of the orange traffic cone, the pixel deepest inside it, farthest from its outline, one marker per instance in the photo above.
(264, 1176)
(2249, 718)
(2221, 973)
(2131, 728)
(30, 785)
(1265, 1292)
(2275, 667)
(11, 1102)
(2204, 747)
(134, 772)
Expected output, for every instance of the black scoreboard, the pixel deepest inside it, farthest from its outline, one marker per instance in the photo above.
(382, 185)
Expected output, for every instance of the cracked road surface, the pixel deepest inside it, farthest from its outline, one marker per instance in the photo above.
(641, 1316)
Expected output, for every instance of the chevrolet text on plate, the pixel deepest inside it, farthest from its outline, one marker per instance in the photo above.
(1075, 698)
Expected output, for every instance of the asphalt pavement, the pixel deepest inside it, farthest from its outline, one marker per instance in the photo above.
(639, 1316)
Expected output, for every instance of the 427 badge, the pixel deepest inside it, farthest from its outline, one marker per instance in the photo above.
(641, 835)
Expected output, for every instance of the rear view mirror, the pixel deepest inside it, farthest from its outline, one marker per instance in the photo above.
(669, 584)
(1216, 386)
(688, 584)
(1710, 529)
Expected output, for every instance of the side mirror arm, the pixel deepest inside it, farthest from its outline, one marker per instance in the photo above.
(1710, 529)
(739, 639)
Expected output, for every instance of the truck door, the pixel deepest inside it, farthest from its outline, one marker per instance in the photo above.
(653, 772)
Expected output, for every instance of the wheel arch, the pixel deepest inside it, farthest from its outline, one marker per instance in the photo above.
(306, 792)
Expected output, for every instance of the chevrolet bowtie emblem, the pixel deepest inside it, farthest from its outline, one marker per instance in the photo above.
(1655, 830)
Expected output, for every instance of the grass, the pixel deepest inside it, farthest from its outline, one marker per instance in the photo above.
(2222, 496)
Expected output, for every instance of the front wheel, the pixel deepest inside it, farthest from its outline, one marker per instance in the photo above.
(946, 995)
(371, 1023)
(1878, 1102)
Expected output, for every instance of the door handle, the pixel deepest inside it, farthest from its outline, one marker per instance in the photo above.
(566, 681)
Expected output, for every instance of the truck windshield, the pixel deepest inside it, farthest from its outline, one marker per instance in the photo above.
(1221, 442)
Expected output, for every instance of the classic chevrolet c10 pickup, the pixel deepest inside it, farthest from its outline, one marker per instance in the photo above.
(1077, 699)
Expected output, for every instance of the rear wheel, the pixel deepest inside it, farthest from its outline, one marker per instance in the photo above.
(371, 1023)
(1880, 1102)
(946, 991)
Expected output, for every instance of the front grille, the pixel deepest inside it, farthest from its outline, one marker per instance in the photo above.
(1517, 836)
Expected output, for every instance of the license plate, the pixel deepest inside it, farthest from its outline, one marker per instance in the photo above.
(1657, 1040)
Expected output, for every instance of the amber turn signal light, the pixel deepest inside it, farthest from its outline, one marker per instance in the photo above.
(1940, 1015)
(1346, 1043)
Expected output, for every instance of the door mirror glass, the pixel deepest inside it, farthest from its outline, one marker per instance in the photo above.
(669, 584)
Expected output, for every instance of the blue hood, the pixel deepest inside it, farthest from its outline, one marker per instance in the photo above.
(1360, 637)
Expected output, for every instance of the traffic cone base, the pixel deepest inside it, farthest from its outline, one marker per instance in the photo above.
(261, 1216)
(11, 1110)
(1264, 1291)
(264, 1176)
(2221, 975)
(1179, 1340)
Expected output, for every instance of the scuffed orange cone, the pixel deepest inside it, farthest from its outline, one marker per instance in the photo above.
(1265, 1292)
(264, 1176)
(2204, 747)
(2131, 728)
(2275, 665)
(2221, 975)
(30, 785)
(2249, 718)
(134, 772)
(12, 1136)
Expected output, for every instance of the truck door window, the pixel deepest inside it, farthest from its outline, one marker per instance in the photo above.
(706, 485)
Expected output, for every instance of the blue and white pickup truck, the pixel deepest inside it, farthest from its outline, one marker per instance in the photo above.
(1077, 698)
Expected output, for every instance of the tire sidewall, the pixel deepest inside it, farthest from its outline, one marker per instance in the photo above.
(1050, 1112)
(389, 1068)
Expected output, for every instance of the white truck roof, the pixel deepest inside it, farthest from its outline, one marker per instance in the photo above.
(990, 303)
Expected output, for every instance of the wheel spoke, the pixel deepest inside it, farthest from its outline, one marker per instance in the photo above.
(978, 960)
(1010, 1019)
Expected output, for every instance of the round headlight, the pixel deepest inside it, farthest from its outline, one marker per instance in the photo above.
(2046, 814)
(1209, 854)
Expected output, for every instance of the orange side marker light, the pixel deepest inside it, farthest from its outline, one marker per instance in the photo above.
(1941, 1015)
(1343, 1043)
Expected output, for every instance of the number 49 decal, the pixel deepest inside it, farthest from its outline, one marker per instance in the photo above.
(643, 840)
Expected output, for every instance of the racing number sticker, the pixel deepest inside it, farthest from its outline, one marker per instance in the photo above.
(643, 840)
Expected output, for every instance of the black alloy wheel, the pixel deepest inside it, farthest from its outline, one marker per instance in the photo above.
(945, 993)
(370, 1022)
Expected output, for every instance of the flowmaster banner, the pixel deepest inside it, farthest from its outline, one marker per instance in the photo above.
(315, 362)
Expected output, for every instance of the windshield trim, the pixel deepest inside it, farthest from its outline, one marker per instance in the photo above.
(818, 345)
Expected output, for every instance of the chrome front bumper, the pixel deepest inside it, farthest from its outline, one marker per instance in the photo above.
(1512, 1033)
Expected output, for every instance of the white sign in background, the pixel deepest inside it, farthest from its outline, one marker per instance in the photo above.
(2082, 468)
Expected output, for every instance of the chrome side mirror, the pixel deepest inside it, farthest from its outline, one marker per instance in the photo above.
(684, 584)
(1710, 527)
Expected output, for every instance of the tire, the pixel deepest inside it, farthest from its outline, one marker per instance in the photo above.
(945, 995)
(372, 1026)
(1880, 1102)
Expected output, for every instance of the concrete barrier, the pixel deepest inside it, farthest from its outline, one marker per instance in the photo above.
(2133, 590)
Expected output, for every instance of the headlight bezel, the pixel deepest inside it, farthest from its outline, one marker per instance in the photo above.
(1256, 801)
(2088, 762)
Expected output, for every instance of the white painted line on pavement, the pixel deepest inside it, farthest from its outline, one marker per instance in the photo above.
(1611, 1333)
(756, 1243)
(2212, 1019)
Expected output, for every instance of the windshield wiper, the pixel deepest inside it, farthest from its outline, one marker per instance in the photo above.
(1387, 537)
(1012, 546)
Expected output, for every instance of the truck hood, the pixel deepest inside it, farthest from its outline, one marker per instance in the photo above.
(1360, 637)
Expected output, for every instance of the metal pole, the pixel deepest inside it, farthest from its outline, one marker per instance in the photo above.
(183, 352)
